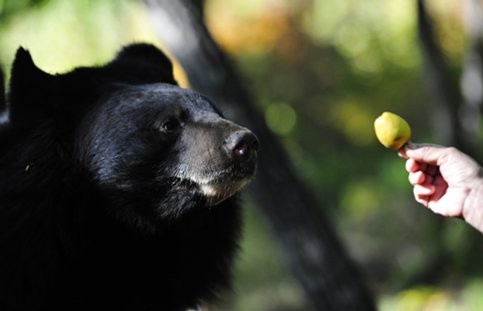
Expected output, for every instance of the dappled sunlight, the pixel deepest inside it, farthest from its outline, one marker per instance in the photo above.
(355, 122)
(368, 33)
(255, 27)
(83, 34)
(321, 72)
(450, 33)
(360, 199)
(428, 298)
(281, 118)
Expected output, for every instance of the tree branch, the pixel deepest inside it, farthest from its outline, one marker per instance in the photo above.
(314, 252)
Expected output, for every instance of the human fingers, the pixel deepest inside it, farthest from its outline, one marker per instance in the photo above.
(440, 182)
(423, 194)
(432, 170)
(440, 188)
(413, 166)
(420, 197)
(402, 151)
(421, 190)
(417, 177)
(425, 152)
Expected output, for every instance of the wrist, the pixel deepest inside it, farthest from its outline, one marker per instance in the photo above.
(473, 205)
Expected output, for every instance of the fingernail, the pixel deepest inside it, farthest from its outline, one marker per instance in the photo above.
(410, 145)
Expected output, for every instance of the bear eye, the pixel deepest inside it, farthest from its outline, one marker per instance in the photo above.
(171, 125)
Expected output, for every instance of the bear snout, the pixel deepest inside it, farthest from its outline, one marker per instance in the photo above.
(241, 146)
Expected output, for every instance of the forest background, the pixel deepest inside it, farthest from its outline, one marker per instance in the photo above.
(321, 71)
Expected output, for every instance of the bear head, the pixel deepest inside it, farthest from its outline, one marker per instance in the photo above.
(154, 150)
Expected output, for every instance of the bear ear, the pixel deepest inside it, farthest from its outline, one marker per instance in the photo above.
(141, 64)
(28, 86)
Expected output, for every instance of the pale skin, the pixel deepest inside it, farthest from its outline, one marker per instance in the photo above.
(446, 181)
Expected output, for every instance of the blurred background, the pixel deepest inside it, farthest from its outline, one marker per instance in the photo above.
(321, 71)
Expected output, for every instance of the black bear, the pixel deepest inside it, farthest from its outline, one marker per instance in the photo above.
(117, 188)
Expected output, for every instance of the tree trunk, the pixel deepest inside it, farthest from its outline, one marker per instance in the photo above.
(445, 94)
(328, 276)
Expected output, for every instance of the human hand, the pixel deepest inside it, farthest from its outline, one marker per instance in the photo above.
(444, 179)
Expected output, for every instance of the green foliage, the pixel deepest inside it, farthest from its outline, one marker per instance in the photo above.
(434, 298)
(9, 8)
(64, 34)
(263, 280)
(337, 67)
(322, 71)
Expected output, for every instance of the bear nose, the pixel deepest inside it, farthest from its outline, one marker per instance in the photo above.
(242, 146)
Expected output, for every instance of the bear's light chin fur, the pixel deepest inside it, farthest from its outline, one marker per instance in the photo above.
(215, 193)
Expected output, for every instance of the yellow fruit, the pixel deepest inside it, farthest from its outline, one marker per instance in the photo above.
(392, 130)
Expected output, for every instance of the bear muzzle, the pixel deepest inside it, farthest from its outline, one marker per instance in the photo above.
(242, 147)
(221, 159)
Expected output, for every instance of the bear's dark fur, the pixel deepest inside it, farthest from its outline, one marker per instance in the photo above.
(117, 188)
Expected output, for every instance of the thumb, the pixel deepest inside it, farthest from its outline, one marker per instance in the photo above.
(428, 153)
